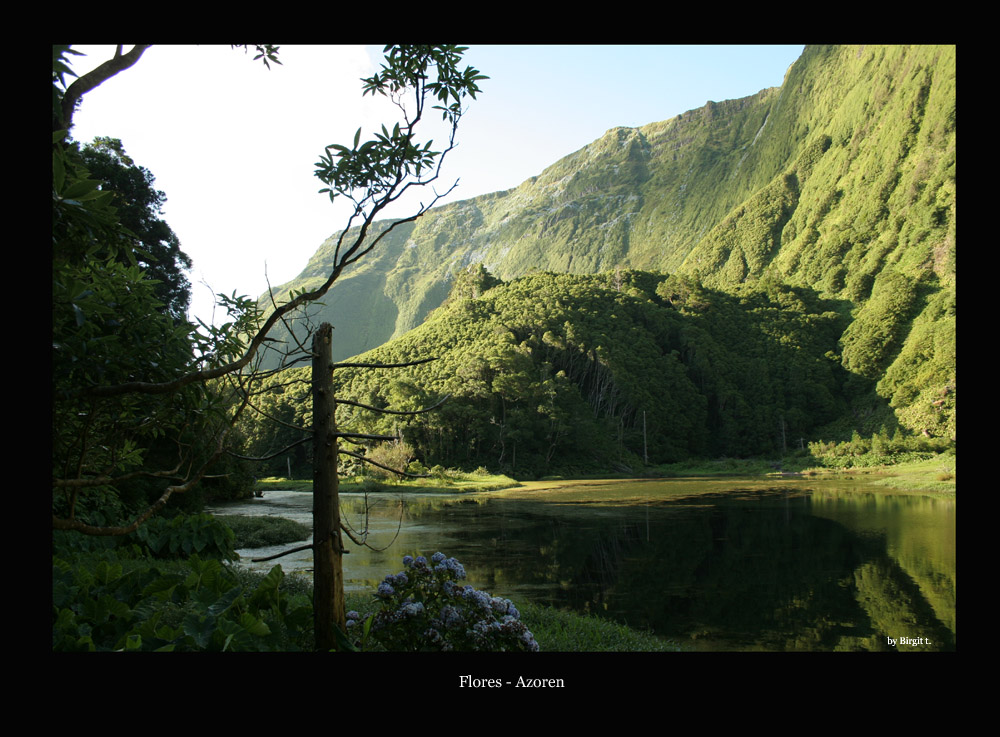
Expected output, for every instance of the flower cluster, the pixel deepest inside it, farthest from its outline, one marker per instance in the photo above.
(425, 608)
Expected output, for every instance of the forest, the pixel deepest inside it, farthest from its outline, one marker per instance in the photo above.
(562, 374)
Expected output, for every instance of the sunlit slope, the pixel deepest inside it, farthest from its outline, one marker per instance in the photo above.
(639, 197)
(866, 214)
(841, 180)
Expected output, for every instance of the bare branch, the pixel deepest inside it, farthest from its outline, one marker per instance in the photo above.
(363, 436)
(306, 353)
(283, 553)
(271, 455)
(348, 530)
(381, 365)
(394, 470)
(395, 411)
(275, 420)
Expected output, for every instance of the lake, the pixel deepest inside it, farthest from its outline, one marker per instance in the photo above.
(719, 565)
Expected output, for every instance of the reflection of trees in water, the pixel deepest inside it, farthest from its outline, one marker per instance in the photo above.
(757, 572)
(896, 607)
(743, 569)
(600, 571)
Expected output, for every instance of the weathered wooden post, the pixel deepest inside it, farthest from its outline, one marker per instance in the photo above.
(328, 571)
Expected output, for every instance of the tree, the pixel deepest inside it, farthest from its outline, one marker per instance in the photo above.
(105, 390)
(139, 207)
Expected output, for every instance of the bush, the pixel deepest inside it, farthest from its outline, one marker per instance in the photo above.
(259, 532)
(424, 609)
(396, 455)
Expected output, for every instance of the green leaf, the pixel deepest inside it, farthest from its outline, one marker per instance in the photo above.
(253, 625)
(199, 628)
(224, 602)
(343, 644)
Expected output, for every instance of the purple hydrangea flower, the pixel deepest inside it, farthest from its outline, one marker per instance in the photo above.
(425, 608)
(412, 608)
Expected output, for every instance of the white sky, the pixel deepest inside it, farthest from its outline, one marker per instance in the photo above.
(233, 145)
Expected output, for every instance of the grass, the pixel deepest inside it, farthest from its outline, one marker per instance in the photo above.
(935, 474)
(556, 630)
(451, 481)
(276, 483)
(930, 475)
(717, 467)
(561, 631)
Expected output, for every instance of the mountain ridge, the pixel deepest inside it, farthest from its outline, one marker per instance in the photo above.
(841, 180)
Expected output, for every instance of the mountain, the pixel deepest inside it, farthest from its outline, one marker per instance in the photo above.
(579, 373)
(841, 181)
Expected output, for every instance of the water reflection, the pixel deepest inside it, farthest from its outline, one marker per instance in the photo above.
(718, 565)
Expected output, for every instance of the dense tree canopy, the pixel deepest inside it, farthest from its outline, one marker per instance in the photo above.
(552, 373)
(140, 207)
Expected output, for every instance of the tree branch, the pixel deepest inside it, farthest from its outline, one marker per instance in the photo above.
(271, 455)
(395, 411)
(381, 365)
(386, 468)
(119, 62)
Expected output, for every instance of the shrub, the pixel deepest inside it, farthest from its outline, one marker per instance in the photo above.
(424, 608)
(259, 532)
(370, 486)
(395, 454)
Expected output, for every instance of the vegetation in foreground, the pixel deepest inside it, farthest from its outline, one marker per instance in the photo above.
(123, 599)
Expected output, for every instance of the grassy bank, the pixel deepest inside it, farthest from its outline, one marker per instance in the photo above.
(935, 475)
(450, 481)
(561, 631)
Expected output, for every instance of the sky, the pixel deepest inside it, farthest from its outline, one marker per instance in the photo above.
(233, 144)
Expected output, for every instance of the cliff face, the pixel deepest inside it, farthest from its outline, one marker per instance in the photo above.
(841, 180)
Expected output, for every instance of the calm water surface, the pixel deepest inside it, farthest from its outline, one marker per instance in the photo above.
(731, 564)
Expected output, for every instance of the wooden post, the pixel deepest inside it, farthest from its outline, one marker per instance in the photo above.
(645, 455)
(328, 571)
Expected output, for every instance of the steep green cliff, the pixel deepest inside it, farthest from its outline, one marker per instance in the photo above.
(842, 181)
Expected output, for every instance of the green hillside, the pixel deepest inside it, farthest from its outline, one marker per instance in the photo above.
(555, 371)
(841, 182)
